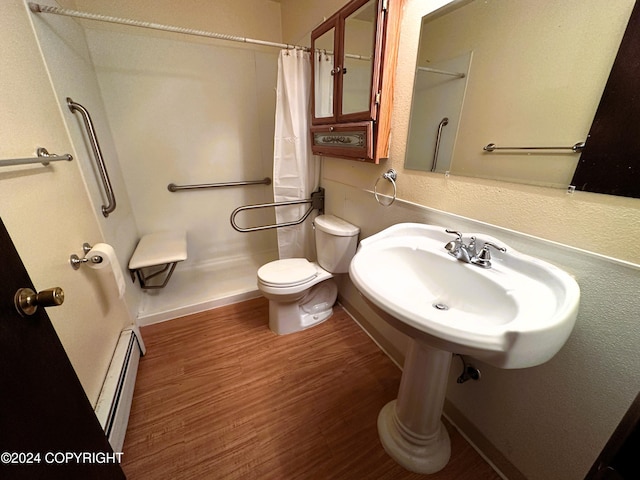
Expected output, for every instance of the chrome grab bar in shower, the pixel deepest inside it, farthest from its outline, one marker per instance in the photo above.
(443, 122)
(172, 187)
(95, 146)
(316, 201)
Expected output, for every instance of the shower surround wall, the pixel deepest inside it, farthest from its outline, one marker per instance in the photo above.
(64, 49)
(189, 110)
(191, 113)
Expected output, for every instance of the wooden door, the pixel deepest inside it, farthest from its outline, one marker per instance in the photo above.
(48, 429)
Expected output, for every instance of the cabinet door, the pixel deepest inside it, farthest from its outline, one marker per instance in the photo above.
(324, 70)
(356, 79)
(345, 59)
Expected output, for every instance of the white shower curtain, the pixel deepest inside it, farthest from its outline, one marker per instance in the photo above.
(296, 171)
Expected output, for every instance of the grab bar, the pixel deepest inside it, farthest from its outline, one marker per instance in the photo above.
(95, 146)
(316, 201)
(577, 148)
(443, 122)
(172, 187)
(442, 72)
(43, 157)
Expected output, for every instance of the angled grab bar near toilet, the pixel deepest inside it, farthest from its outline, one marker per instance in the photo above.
(316, 201)
(172, 187)
(97, 153)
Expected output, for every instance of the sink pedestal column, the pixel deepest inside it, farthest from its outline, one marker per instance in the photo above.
(410, 428)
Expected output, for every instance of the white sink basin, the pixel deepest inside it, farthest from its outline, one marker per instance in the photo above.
(516, 314)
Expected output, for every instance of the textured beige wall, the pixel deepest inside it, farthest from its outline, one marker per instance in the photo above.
(570, 405)
(47, 210)
(300, 17)
(245, 18)
(600, 223)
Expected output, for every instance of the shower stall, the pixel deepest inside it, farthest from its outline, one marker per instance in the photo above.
(171, 108)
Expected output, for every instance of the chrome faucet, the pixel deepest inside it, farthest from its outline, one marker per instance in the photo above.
(457, 248)
(468, 253)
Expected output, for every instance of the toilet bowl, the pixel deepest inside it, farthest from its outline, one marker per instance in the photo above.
(302, 293)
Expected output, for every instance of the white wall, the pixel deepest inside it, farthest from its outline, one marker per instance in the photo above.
(47, 210)
(190, 113)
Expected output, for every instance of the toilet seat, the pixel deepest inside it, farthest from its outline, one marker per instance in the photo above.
(288, 272)
(275, 278)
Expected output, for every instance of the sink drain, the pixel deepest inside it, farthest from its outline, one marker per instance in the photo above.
(440, 306)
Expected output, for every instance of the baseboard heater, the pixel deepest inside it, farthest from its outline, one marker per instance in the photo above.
(114, 402)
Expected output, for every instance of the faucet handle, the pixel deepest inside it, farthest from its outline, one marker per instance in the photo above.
(484, 257)
(455, 233)
(453, 246)
(471, 248)
(492, 245)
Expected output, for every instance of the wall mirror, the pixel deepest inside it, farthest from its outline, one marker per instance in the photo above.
(512, 73)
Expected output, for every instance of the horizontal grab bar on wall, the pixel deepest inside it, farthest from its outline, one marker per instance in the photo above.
(97, 153)
(43, 157)
(172, 187)
(316, 201)
(577, 148)
(442, 72)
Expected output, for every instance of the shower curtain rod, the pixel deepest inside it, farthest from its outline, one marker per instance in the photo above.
(38, 8)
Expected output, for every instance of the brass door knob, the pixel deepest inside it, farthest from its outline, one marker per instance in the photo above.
(27, 301)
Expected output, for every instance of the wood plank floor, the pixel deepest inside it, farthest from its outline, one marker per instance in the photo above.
(219, 396)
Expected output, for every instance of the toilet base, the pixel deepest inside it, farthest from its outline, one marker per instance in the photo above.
(313, 308)
(307, 320)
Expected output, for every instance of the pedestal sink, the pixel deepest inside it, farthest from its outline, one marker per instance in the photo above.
(516, 314)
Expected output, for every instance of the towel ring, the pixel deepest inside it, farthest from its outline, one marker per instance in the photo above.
(392, 176)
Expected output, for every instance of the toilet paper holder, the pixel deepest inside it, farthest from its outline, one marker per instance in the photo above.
(76, 261)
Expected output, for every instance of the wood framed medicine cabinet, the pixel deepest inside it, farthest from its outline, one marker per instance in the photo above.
(354, 55)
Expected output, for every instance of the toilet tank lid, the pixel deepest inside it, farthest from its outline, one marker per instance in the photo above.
(335, 226)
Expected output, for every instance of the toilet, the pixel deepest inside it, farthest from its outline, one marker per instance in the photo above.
(302, 293)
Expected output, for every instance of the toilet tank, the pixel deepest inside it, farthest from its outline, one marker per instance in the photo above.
(336, 242)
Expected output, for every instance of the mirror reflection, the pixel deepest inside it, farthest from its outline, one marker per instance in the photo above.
(359, 39)
(323, 74)
(518, 74)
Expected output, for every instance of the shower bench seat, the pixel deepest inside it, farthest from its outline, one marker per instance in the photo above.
(156, 254)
